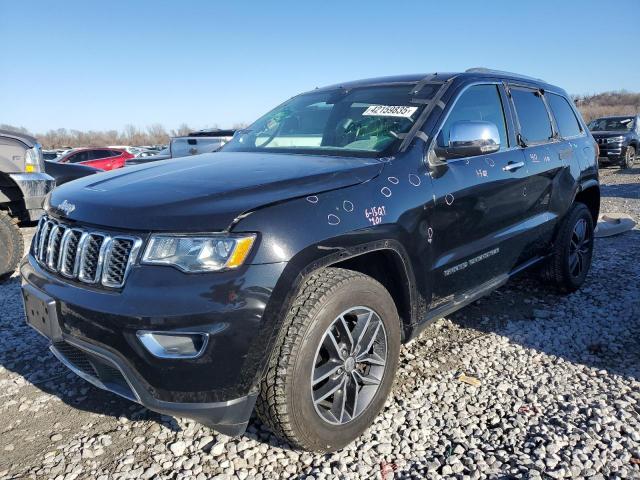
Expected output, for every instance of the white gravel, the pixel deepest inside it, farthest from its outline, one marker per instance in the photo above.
(559, 395)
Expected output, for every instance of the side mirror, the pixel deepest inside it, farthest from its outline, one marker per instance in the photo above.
(470, 138)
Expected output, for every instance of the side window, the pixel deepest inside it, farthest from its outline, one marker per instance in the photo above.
(79, 157)
(98, 154)
(535, 126)
(114, 153)
(566, 120)
(480, 102)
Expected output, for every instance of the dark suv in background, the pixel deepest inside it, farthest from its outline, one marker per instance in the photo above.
(618, 139)
(286, 273)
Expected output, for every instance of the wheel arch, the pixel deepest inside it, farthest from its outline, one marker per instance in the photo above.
(399, 279)
(11, 198)
(388, 266)
(589, 194)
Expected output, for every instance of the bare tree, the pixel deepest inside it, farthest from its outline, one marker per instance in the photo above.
(182, 130)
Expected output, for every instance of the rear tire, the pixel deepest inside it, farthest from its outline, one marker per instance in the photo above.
(11, 245)
(572, 251)
(313, 341)
(629, 157)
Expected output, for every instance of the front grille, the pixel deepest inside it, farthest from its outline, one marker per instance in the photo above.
(88, 256)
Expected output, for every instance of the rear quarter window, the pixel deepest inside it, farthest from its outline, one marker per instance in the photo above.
(535, 126)
(566, 120)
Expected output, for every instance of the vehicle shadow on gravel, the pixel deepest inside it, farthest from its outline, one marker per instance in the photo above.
(621, 190)
(593, 326)
(27, 354)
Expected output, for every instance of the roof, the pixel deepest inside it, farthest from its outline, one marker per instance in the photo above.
(439, 77)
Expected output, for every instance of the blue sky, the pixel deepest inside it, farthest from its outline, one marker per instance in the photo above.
(103, 65)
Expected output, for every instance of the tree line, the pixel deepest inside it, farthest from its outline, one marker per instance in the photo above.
(607, 103)
(590, 106)
(155, 134)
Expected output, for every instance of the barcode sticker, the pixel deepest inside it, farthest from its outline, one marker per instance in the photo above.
(389, 111)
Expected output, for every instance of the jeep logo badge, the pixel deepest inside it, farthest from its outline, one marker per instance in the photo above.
(66, 207)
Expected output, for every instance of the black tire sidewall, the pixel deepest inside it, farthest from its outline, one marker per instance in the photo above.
(312, 429)
(579, 212)
(629, 159)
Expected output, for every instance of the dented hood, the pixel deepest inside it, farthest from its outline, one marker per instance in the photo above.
(204, 192)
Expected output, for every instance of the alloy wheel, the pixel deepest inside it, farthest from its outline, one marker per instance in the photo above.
(631, 157)
(349, 365)
(579, 248)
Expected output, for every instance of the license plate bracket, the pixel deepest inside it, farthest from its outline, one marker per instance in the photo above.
(41, 312)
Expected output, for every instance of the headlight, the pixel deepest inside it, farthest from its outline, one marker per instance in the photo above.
(615, 139)
(196, 253)
(33, 159)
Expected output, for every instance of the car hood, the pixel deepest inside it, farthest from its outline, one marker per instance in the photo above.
(204, 192)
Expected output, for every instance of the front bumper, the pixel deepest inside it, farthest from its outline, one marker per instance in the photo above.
(107, 371)
(612, 153)
(95, 336)
(34, 187)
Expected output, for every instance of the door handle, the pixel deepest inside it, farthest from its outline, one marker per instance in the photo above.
(509, 167)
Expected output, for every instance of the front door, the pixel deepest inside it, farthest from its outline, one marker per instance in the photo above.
(478, 200)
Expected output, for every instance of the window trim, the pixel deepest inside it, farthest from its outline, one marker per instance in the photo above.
(521, 139)
(506, 110)
(569, 103)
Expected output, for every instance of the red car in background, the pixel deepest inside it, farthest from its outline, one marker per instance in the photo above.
(102, 158)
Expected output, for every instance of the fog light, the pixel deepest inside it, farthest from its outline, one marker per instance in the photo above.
(174, 344)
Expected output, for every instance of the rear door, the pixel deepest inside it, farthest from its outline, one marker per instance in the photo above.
(118, 158)
(101, 158)
(546, 156)
(478, 200)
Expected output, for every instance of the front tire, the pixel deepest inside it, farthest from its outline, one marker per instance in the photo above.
(629, 157)
(334, 362)
(11, 245)
(572, 251)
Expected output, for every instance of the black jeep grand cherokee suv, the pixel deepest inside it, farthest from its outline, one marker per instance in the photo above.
(618, 139)
(285, 271)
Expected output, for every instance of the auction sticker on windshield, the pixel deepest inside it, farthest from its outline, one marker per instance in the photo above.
(389, 111)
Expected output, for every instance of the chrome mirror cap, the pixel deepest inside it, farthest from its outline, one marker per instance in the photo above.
(470, 138)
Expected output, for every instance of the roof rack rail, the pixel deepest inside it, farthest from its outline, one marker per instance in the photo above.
(501, 72)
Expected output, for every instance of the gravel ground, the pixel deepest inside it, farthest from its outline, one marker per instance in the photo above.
(558, 395)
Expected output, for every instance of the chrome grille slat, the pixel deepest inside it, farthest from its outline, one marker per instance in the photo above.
(43, 240)
(85, 255)
(53, 246)
(36, 238)
(68, 263)
(118, 259)
(92, 253)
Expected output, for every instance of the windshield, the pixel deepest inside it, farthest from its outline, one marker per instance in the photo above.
(614, 124)
(366, 121)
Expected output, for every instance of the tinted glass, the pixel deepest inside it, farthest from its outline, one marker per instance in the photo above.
(532, 115)
(480, 102)
(98, 154)
(364, 121)
(79, 157)
(566, 120)
(612, 124)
